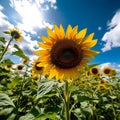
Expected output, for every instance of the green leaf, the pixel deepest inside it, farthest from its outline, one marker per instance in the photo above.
(2, 39)
(6, 32)
(13, 83)
(85, 98)
(5, 100)
(7, 62)
(31, 115)
(112, 97)
(107, 106)
(44, 88)
(19, 52)
(50, 115)
(28, 116)
(6, 111)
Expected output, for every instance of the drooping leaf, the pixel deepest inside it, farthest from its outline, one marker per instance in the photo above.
(2, 39)
(44, 88)
(19, 52)
(5, 100)
(6, 32)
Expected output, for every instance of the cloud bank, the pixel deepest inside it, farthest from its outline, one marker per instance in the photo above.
(112, 37)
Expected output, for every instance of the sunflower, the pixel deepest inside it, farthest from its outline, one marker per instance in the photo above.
(107, 71)
(87, 73)
(24, 61)
(19, 67)
(36, 70)
(9, 66)
(114, 72)
(95, 71)
(16, 34)
(64, 54)
(102, 85)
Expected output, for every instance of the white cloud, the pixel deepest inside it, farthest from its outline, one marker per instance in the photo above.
(27, 44)
(4, 23)
(31, 13)
(111, 65)
(112, 36)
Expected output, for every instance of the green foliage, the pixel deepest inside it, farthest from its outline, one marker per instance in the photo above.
(2, 39)
(5, 100)
(19, 52)
(25, 98)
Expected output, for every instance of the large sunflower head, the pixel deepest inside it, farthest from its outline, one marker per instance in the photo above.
(36, 70)
(65, 53)
(16, 34)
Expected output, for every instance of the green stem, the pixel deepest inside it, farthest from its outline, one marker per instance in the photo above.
(66, 95)
(6, 48)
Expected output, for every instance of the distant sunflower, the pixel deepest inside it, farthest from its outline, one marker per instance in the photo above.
(24, 61)
(19, 67)
(106, 70)
(102, 85)
(95, 71)
(9, 66)
(114, 72)
(36, 70)
(63, 54)
(87, 73)
(16, 34)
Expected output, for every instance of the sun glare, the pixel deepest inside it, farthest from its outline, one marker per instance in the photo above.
(30, 13)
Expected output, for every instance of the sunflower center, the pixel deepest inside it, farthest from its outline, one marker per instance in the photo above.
(15, 34)
(37, 67)
(66, 54)
(94, 71)
(20, 67)
(107, 71)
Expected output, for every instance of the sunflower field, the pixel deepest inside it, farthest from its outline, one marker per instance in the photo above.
(59, 84)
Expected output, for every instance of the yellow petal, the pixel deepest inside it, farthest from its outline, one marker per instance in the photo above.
(68, 32)
(74, 31)
(57, 32)
(48, 67)
(62, 33)
(56, 29)
(90, 53)
(45, 39)
(52, 74)
(41, 52)
(51, 33)
(89, 37)
(81, 34)
(88, 44)
(44, 45)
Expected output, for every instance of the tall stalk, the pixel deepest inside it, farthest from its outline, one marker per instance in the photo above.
(1, 57)
(66, 97)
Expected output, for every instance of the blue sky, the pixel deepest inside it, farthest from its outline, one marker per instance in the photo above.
(33, 16)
